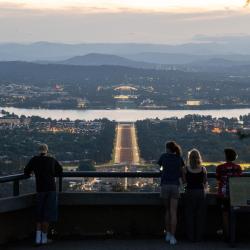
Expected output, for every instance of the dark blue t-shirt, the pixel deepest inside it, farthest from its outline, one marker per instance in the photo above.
(172, 165)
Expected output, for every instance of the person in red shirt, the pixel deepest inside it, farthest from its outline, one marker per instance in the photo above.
(223, 173)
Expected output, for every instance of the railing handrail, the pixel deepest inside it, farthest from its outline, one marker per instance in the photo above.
(147, 174)
(14, 177)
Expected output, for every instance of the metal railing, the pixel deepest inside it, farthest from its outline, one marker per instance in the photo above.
(15, 179)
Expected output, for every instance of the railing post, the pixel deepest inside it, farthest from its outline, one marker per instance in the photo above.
(16, 188)
(60, 183)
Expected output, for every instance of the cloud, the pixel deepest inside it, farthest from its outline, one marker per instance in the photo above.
(20, 22)
(114, 6)
(5, 6)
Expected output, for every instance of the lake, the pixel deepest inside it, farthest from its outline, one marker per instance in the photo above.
(120, 115)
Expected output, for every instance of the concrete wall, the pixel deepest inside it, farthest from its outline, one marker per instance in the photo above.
(103, 214)
(17, 218)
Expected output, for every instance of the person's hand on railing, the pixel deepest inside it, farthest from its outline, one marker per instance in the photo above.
(28, 175)
(207, 188)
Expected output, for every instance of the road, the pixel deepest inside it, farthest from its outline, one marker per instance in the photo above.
(126, 147)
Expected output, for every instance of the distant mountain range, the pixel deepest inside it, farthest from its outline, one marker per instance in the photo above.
(95, 59)
(150, 53)
(75, 66)
(179, 58)
(189, 63)
(195, 57)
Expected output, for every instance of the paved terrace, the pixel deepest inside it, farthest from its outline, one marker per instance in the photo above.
(137, 217)
(142, 244)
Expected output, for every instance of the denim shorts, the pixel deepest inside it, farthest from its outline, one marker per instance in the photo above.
(47, 203)
(170, 192)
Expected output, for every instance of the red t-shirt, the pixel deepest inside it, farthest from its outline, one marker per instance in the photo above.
(223, 172)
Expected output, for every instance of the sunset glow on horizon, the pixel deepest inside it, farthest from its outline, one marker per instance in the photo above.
(77, 21)
(128, 5)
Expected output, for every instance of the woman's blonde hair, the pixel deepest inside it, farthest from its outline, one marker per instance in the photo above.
(194, 158)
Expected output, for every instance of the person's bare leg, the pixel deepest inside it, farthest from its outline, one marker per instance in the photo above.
(38, 226)
(167, 215)
(173, 215)
(225, 218)
(45, 227)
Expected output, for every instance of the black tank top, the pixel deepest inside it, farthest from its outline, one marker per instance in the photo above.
(195, 180)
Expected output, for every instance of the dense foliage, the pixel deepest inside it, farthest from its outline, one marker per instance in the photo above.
(20, 144)
(153, 136)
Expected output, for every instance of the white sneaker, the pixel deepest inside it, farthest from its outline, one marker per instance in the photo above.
(167, 237)
(172, 241)
(44, 239)
(38, 237)
(47, 242)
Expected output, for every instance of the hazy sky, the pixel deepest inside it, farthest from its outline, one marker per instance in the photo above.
(150, 21)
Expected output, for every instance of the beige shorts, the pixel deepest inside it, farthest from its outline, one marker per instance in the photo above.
(170, 192)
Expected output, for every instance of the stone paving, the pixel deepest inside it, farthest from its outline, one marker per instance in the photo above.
(111, 244)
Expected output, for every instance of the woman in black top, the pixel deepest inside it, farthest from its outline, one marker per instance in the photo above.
(171, 163)
(195, 178)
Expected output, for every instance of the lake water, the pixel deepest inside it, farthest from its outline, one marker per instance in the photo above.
(128, 115)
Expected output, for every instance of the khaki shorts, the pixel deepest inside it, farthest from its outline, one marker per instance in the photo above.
(170, 192)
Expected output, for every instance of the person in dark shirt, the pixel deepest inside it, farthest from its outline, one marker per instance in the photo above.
(195, 179)
(45, 169)
(223, 173)
(171, 163)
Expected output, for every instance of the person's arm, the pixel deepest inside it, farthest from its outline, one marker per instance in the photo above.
(160, 162)
(218, 176)
(184, 172)
(205, 178)
(239, 171)
(218, 173)
(29, 168)
(182, 178)
(58, 168)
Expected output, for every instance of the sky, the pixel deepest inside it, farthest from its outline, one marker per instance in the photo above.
(147, 21)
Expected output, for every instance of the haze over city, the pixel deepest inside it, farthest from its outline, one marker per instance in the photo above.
(138, 21)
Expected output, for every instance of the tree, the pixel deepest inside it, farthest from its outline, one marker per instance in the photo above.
(86, 165)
